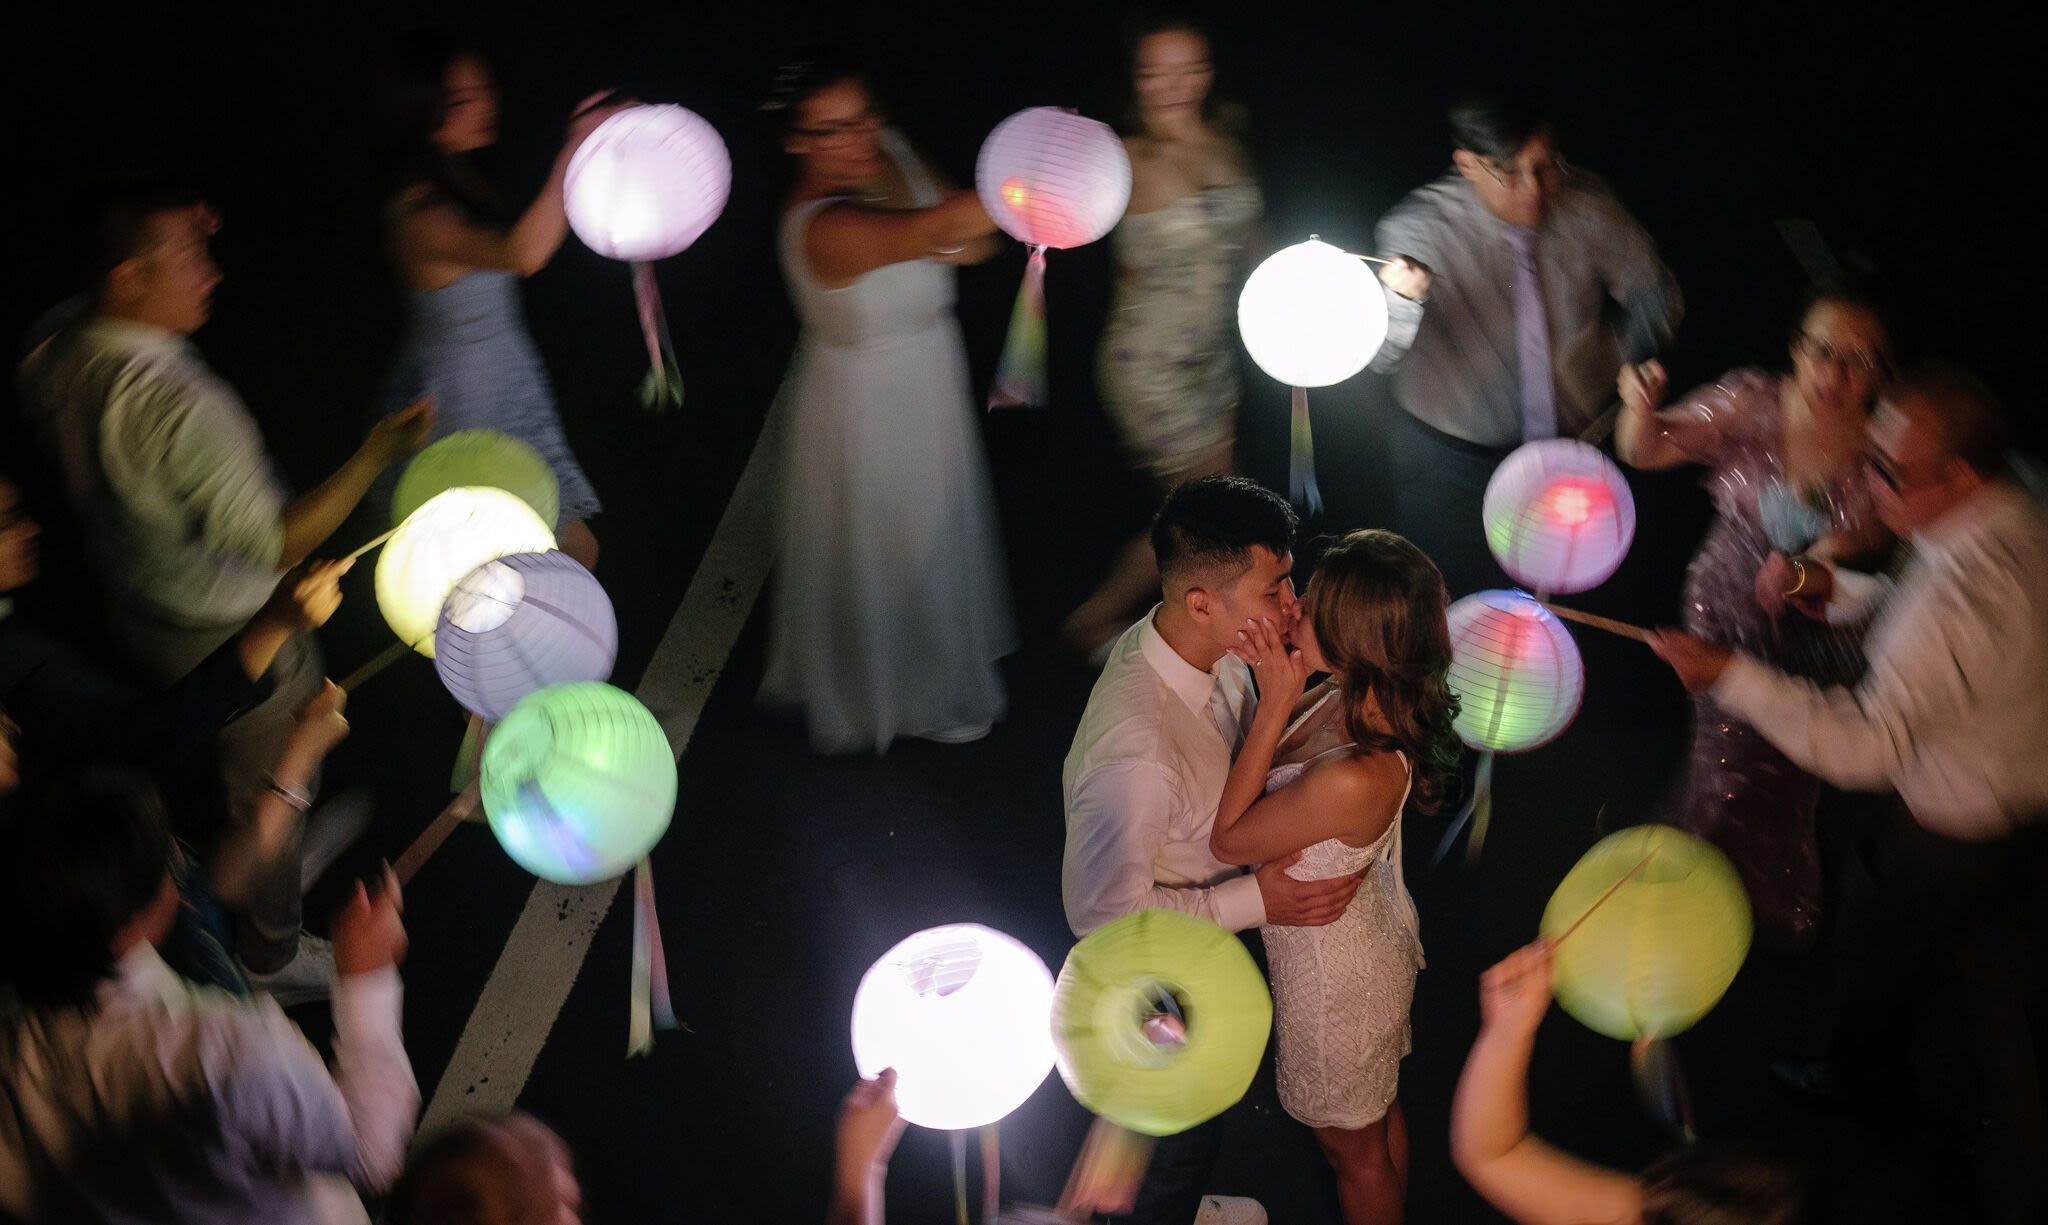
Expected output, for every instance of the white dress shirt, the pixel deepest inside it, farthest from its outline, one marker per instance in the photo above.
(168, 1101)
(1952, 711)
(170, 480)
(1143, 780)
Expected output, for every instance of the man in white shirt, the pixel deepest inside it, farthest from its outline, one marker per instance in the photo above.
(1950, 715)
(185, 523)
(130, 1094)
(1147, 767)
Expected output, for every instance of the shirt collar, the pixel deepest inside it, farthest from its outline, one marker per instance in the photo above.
(1191, 684)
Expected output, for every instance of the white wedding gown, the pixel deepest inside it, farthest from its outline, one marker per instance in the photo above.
(1341, 992)
(891, 606)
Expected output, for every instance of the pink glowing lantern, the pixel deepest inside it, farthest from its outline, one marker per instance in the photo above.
(643, 187)
(1049, 178)
(521, 623)
(1559, 516)
(1515, 669)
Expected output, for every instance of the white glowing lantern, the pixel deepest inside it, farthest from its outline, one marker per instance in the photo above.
(451, 534)
(1311, 315)
(1049, 178)
(640, 188)
(1053, 178)
(1558, 515)
(646, 183)
(963, 1013)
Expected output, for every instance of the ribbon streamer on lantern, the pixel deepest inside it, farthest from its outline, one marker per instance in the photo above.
(663, 386)
(1020, 375)
(651, 1007)
(1301, 458)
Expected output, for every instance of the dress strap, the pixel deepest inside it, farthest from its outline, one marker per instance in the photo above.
(1308, 714)
(1392, 857)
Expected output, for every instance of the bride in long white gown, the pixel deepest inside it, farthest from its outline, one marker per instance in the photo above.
(1329, 776)
(891, 607)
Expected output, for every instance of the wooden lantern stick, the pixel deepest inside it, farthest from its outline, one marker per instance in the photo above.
(1611, 891)
(372, 543)
(1598, 622)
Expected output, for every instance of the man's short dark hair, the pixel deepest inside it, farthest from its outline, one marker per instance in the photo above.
(86, 853)
(1212, 523)
(1497, 124)
(1965, 412)
(118, 220)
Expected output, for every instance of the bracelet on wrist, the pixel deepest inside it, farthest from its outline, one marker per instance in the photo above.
(1798, 573)
(299, 798)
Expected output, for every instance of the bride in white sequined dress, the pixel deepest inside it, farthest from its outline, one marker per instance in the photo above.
(1328, 776)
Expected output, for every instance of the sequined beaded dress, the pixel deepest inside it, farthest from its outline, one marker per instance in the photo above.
(1341, 991)
(1167, 369)
(1745, 796)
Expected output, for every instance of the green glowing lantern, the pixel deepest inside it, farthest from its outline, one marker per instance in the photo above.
(1654, 956)
(579, 782)
(1160, 1019)
(453, 533)
(478, 457)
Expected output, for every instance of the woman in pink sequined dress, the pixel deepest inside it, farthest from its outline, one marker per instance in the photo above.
(1784, 455)
(1328, 776)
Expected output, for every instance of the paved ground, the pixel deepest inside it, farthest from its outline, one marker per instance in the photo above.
(785, 873)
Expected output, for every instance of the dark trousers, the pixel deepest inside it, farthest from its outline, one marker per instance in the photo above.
(1934, 951)
(1439, 482)
(1172, 1191)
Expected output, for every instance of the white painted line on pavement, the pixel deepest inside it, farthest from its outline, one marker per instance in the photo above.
(542, 957)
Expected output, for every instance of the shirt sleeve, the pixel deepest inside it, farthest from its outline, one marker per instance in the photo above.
(279, 1103)
(211, 459)
(1407, 230)
(1705, 424)
(1921, 678)
(1117, 819)
(1636, 278)
(1856, 596)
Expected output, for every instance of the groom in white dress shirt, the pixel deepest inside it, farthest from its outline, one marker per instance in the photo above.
(1147, 767)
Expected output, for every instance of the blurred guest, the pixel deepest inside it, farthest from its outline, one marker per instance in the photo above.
(1325, 778)
(891, 606)
(1502, 290)
(462, 253)
(1530, 1182)
(127, 1093)
(512, 1170)
(1944, 901)
(1784, 455)
(1167, 370)
(186, 524)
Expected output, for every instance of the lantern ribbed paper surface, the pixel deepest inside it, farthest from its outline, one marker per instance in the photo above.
(960, 1012)
(1559, 516)
(1113, 982)
(521, 623)
(1655, 957)
(579, 782)
(453, 533)
(478, 457)
(1515, 669)
(1312, 315)
(1052, 178)
(646, 183)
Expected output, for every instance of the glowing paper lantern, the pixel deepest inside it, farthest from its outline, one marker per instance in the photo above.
(453, 533)
(478, 457)
(1311, 315)
(1048, 178)
(1653, 958)
(960, 1012)
(643, 187)
(1145, 1066)
(1559, 515)
(1515, 669)
(520, 623)
(578, 782)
